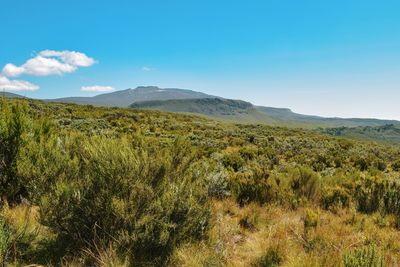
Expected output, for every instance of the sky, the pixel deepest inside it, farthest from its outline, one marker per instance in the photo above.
(332, 58)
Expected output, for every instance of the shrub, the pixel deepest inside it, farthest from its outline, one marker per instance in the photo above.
(367, 256)
(252, 184)
(272, 258)
(217, 182)
(13, 127)
(6, 241)
(380, 165)
(305, 183)
(362, 164)
(311, 219)
(369, 190)
(335, 197)
(232, 159)
(147, 200)
(396, 166)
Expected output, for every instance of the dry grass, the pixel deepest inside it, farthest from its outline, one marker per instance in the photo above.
(230, 244)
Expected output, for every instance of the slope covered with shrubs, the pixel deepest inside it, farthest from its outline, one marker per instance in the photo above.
(105, 186)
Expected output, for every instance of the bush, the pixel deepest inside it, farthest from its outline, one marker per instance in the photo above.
(252, 184)
(13, 128)
(6, 241)
(305, 183)
(217, 182)
(380, 165)
(396, 166)
(272, 258)
(362, 164)
(311, 219)
(335, 197)
(367, 256)
(147, 200)
(233, 159)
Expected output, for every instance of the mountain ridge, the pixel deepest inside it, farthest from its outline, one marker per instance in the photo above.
(123, 98)
(239, 111)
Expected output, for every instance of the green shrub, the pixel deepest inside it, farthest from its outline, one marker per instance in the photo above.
(362, 164)
(367, 256)
(368, 192)
(232, 159)
(13, 127)
(396, 166)
(218, 182)
(335, 197)
(272, 258)
(305, 183)
(252, 183)
(380, 165)
(6, 242)
(311, 219)
(147, 200)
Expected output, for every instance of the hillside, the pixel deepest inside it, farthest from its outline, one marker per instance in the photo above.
(10, 95)
(244, 112)
(388, 133)
(124, 98)
(286, 115)
(133, 187)
(228, 110)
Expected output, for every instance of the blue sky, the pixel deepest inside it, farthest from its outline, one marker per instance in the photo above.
(330, 58)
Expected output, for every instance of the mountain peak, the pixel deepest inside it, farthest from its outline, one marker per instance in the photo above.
(147, 88)
(124, 98)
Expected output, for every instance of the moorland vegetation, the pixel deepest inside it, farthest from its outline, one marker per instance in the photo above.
(92, 186)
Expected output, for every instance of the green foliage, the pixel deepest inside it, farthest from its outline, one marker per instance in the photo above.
(218, 181)
(13, 128)
(123, 178)
(311, 219)
(396, 166)
(6, 241)
(146, 199)
(272, 258)
(305, 183)
(367, 256)
(335, 197)
(251, 184)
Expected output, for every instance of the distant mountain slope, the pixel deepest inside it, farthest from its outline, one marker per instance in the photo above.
(181, 100)
(206, 106)
(387, 133)
(126, 97)
(244, 112)
(286, 115)
(11, 95)
(217, 108)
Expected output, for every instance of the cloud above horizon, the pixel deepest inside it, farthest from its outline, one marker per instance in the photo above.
(49, 62)
(45, 63)
(97, 88)
(16, 85)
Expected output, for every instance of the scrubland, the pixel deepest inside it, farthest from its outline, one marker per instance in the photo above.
(86, 186)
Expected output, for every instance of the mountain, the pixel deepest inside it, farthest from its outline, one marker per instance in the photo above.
(285, 115)
(181, 100)
(244, 112)
(206, 106)
(126, 97)
(10, 95)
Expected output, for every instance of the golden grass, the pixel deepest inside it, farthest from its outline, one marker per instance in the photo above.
(277, 227)
(233, 243)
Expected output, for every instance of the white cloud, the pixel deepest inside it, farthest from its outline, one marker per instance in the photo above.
(50, 62)
(145, 68)
(70, 57)
(16, 85)
(97, 88)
